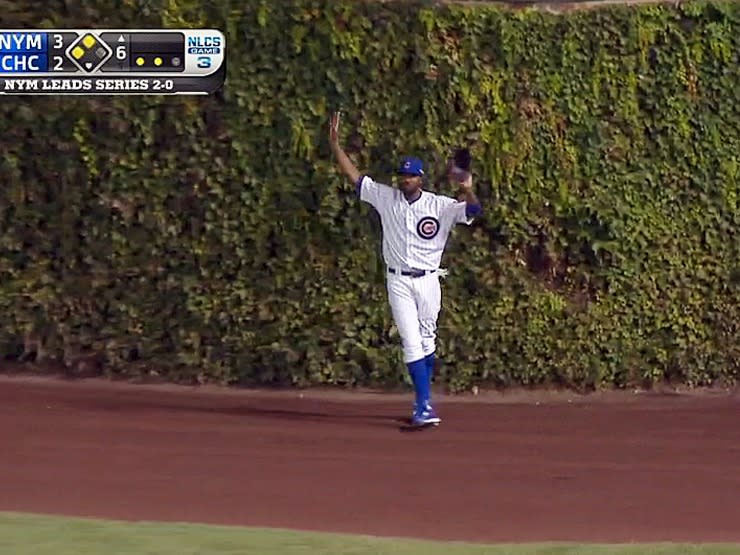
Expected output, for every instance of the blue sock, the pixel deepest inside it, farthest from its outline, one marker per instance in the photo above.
(419, 375)
(429, 360)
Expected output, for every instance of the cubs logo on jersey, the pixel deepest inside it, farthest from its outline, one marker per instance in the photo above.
(428, 227)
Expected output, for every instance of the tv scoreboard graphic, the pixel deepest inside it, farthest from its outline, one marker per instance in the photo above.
(112, 61)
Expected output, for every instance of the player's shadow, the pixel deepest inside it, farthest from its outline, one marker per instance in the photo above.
(251, 410)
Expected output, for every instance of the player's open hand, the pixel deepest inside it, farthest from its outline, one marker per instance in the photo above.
(466, 183)
(334, 128)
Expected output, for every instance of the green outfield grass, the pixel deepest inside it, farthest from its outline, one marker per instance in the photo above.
(22, 534)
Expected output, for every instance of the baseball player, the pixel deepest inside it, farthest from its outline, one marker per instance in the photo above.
(416, 224)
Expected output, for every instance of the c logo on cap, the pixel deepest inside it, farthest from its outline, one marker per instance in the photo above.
(428, 227)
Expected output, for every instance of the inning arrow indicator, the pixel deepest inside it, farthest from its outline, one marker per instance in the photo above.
(119, 43)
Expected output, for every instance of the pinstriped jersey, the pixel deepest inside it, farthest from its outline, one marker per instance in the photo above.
(414, 233)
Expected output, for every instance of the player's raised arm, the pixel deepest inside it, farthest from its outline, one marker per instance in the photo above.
(472, 204)
(344, 162)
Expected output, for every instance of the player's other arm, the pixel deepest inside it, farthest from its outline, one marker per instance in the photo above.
(343, 161)
(464, 208)
(473, 206)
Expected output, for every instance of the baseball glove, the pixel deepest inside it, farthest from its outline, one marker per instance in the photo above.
(460, 164)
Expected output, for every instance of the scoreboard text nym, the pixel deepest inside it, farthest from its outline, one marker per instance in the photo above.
(23, 42)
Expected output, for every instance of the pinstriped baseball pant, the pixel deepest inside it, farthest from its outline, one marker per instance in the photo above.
(415, 305)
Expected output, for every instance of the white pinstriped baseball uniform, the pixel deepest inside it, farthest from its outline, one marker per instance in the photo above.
(414, 237)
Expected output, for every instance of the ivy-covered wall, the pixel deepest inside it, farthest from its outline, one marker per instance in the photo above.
(212, 238)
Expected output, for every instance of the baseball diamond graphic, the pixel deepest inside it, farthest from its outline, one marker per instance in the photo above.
(428, 227)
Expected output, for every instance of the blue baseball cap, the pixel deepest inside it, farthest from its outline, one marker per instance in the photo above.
(411, 166)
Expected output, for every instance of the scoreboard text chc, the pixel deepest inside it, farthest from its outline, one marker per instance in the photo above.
(112, 61)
